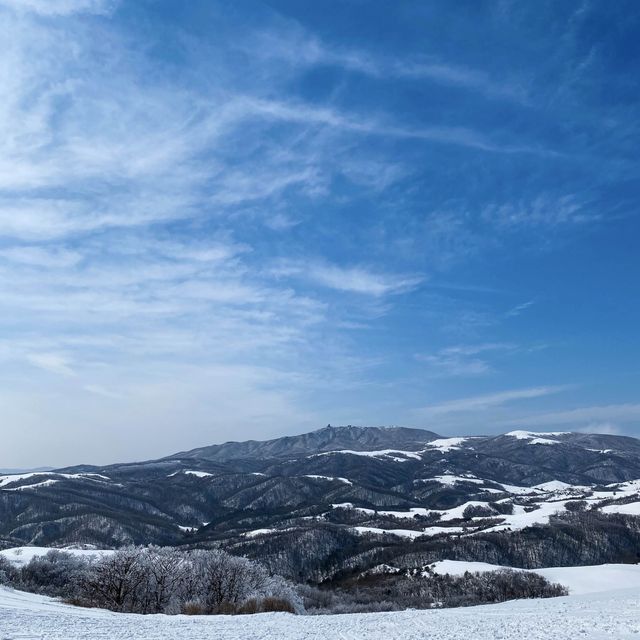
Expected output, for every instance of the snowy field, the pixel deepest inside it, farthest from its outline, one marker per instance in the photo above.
(578, 580)
(604, 603)
(20, 556)
(610, 615)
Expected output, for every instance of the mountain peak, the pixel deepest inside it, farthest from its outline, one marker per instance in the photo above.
(329, 438)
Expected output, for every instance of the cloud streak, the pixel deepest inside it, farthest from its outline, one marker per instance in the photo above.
(487, 401)
(463, 360)
(60, 7)
(582, 417)
(331, 117)
(298, 48)
(349, 279)
(53, 362)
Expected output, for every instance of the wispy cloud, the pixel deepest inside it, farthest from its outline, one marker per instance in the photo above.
(520, 308)
(294, 46)
(60, 7)
(607, 428)
(483, 402)
(542, 211)
(359, 280)
(352, 279)
(585, 418)
(459, 233)
(357, 123)
(463, 360)
(464, 77)
(101, 391)
(53, 362)
(37, 256)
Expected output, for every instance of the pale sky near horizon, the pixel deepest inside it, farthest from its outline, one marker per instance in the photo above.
(233, 220)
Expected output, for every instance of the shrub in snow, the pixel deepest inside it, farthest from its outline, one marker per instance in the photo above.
(57, 573)
(423, 589)
(478, 511)
(156, 580)
(8, 573)
(503, 508)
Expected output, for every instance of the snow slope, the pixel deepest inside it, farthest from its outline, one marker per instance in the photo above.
(446, 444)
(579, 580)
(392, 454)
(597, 579)
(536, 437)
(19, 477)
(616, 616)
(529, 506)
(22, 555)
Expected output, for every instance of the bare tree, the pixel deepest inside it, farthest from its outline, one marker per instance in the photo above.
(115, 580)
(165, 570)
(225, 581)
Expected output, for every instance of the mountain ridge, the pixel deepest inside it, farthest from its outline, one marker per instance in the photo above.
(320, 440)
(340, 485)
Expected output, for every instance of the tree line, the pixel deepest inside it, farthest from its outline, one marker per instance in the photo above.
(166, 580)
(156, 580)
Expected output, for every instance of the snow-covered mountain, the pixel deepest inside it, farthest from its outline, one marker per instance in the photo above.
(354, 489)
(327, 439)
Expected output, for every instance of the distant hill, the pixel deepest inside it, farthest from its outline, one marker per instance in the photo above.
(327, 439)
(28, 470)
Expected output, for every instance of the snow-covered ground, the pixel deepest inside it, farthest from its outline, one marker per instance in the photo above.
(22, 555)
(52, 475)
(579, 580)
(604, 603)
(611, 615)
(392, 454)
(529, 506)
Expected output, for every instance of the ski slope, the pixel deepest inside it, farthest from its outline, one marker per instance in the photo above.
(611, 615)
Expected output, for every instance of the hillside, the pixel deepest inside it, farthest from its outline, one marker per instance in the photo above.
(316, 505)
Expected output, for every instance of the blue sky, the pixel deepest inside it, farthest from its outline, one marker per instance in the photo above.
(242, 220)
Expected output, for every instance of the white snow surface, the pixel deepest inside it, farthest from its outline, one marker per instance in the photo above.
(520, 519)
(22, 555)
(579, 580)
(401, 533)
(198, 474)
(330, 478)
(537, 438)
(264, 532)
(595, 579)
(530, 506)
(449, 479)
(34, 475)
(43, 483)
(190, 472)
(392, 454)
(446, 444)
(555, 485)
(611, 615)
(258, 532)
(631, 508)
